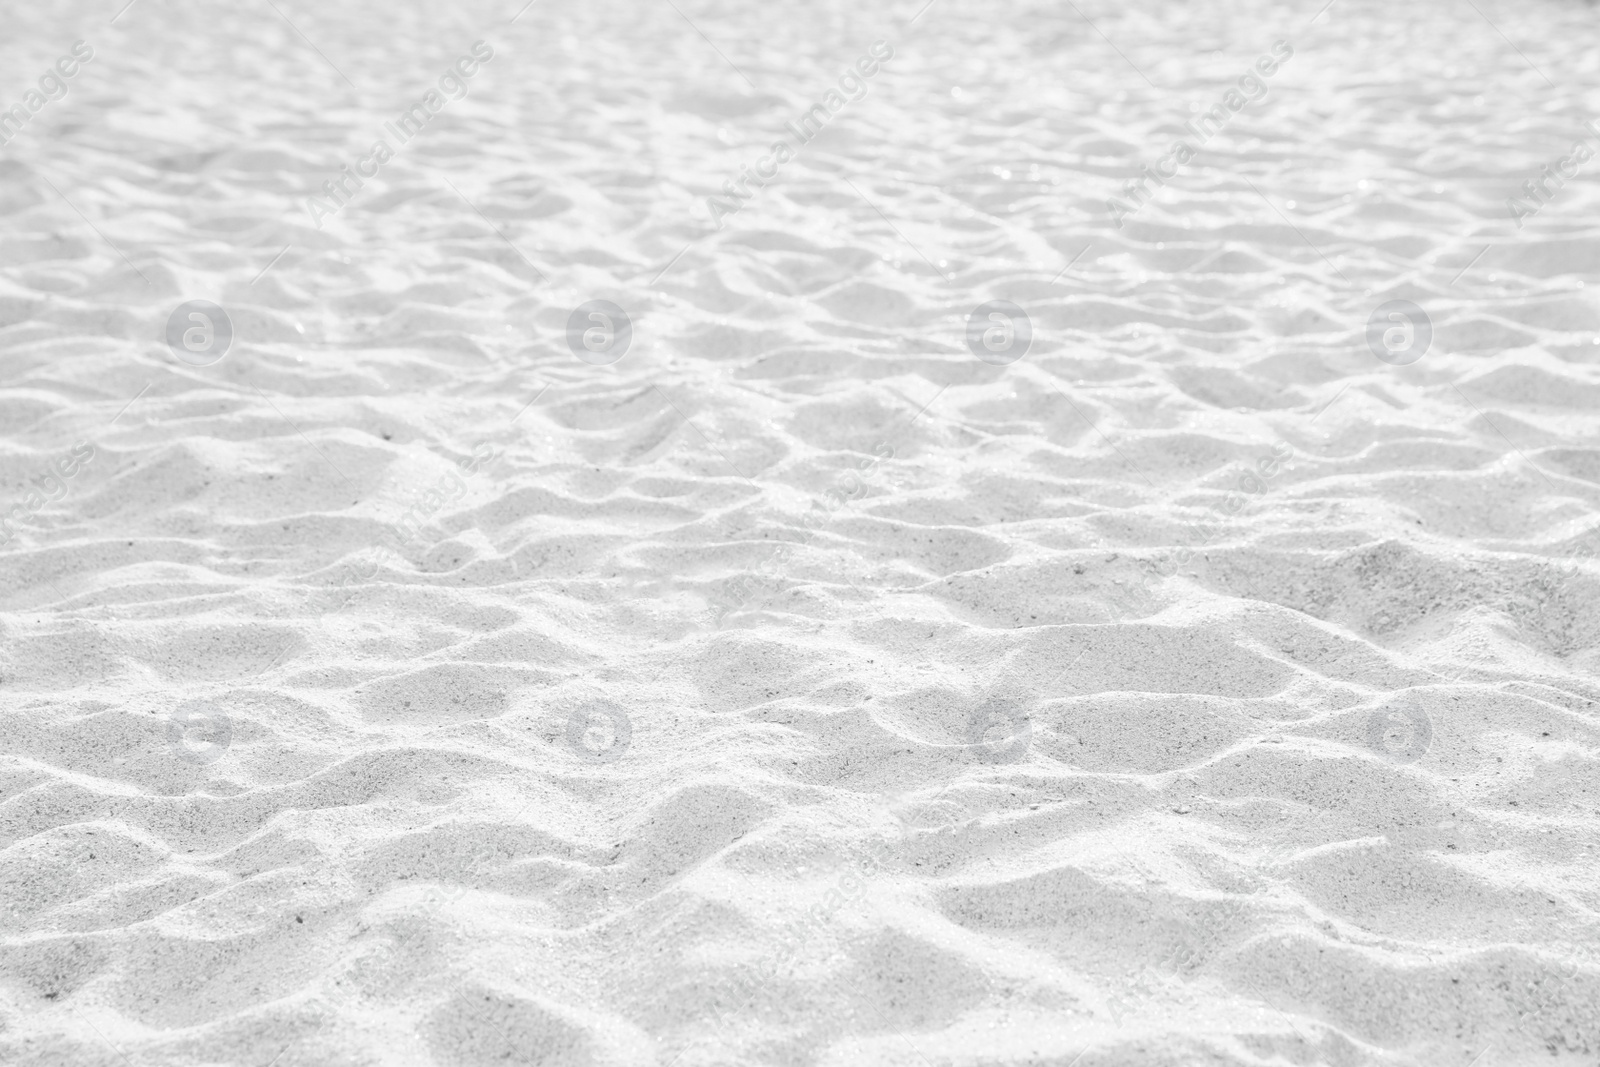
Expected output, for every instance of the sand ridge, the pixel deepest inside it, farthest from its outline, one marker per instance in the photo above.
(409, 684)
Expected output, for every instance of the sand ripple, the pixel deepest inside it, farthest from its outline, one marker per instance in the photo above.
(799, 688)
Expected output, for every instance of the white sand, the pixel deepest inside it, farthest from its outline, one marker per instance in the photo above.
(955, 714)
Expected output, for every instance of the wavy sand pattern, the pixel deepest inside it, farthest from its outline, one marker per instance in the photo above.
(799, 688)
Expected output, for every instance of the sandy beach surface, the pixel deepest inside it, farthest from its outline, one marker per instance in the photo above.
(580, 584)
